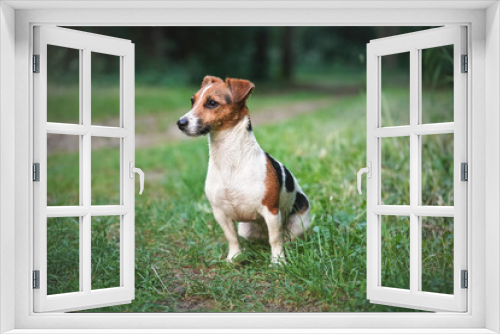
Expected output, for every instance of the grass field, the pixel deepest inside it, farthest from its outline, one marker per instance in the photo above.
(180, 249)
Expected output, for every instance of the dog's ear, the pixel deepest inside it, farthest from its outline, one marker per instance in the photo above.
(240, 89)
(210, 80)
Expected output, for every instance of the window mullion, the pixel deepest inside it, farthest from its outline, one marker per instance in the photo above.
(415, 263)
(86, 266)
(81, 181)
(418, 166)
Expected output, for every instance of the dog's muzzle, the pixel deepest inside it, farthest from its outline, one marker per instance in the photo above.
(192, 127)
(182, 123)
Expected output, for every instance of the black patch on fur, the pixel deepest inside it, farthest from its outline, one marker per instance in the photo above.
(249, 125)
(289, 184)
(301, 203)
(277, 169)
(228, 99)
(202, 129)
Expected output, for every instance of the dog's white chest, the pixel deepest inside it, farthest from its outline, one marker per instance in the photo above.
(237, 186)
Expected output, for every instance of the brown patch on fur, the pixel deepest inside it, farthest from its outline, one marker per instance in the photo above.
(230, 118)
(240, 89)
(271, 198)
(210, 80)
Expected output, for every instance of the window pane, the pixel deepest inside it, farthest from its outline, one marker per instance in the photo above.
(437, 169)
(395, 170)
(105, 89)
(63, 85)
(437, 84)
(395, 89)
(63, 170)
(105, 171)
(105, 252)
(437, 254)
(395, 251)
(63, 255)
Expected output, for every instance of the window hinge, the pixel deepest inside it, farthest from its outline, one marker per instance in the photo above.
(465, 279)
(36, 279)
(36, 172)
(465, 64)
(36, 63)
(464, 171)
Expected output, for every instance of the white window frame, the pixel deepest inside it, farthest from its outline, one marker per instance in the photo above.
(414, 43)
(123, 50)
(483, 21)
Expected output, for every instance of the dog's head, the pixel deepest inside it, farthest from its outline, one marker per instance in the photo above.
(217, 106)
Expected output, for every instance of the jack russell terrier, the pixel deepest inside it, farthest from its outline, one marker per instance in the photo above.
(244, 184)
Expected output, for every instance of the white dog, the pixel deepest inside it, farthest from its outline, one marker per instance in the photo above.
(244, 184)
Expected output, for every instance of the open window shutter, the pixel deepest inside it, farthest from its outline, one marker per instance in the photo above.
(412, 215)
(82, 217)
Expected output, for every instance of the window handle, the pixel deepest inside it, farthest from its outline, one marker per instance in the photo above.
(141, 175)
(368, 171)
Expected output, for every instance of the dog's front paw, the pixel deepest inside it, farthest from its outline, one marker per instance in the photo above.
(235, 257)
(278, 261)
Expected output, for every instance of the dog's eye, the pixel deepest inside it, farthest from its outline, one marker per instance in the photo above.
(192, 101)
(212, 104)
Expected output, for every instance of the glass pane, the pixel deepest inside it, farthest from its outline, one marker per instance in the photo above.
(437, 169)
(395, 251)
(395, 170)
(105, 171)
(63, 170)
(105, 252)
(437, 84)
(395, 89)
(63, 255)
(105, 89)
(437, 254)
(63, 85)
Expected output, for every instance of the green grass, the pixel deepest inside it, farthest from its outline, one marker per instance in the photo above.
(180, 249)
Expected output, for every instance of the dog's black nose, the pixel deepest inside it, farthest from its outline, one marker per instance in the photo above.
(182, 123)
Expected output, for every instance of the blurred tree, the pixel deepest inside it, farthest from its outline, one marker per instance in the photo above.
(159, 40)
(381, 32)
(261, 60)
(287, 54)
(183, 55)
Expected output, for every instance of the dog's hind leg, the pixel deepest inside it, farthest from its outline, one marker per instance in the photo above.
(276, 238)
(297, 224)
(252, 231)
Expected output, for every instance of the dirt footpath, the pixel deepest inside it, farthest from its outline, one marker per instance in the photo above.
(156, 136)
